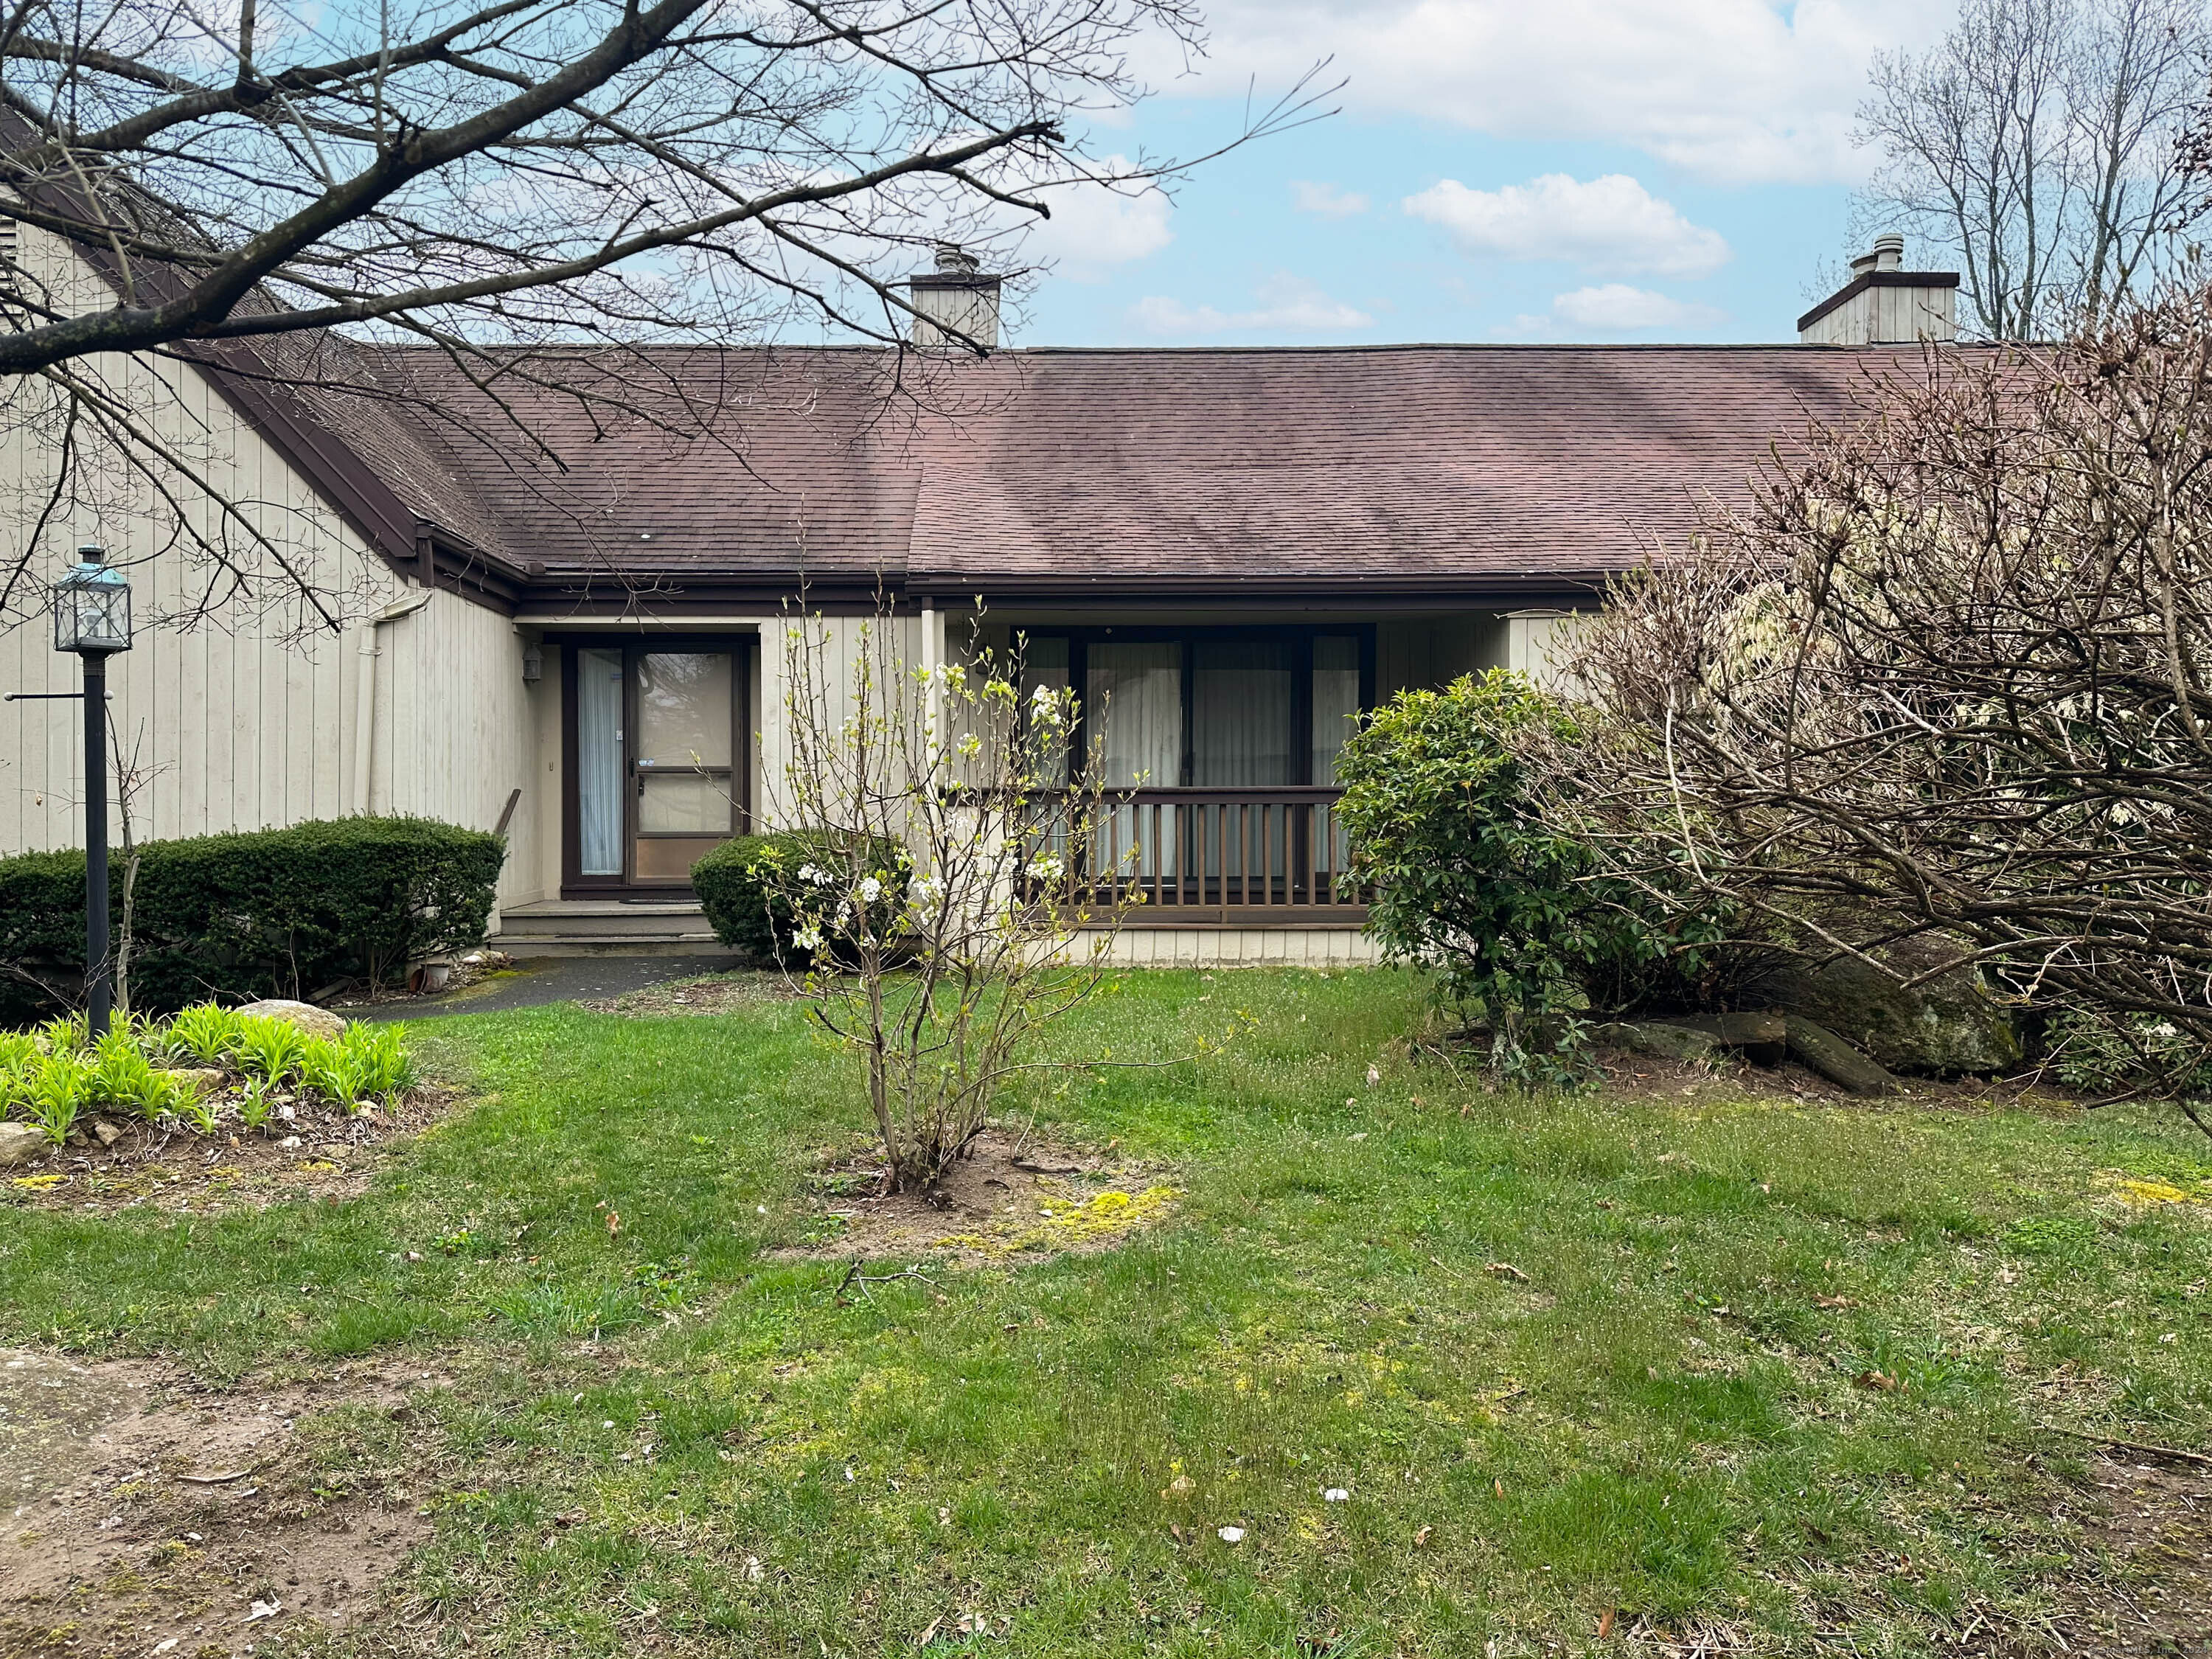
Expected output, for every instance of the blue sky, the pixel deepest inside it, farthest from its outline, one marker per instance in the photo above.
(1579, 170)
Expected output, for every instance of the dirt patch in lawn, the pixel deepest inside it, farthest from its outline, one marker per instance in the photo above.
(148, 1513)
(707, 993)
(2151, 1533)
(320, 1153)
(1009, 1197)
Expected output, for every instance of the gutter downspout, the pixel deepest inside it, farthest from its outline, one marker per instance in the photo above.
(364, 709)
(933, 659)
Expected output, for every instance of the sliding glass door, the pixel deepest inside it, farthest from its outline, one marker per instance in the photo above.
(656, 745)
(1226, 740)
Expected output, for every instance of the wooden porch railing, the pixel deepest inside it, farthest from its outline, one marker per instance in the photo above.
(1231, 851)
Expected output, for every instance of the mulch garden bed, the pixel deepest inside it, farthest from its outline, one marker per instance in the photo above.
(320, 1152)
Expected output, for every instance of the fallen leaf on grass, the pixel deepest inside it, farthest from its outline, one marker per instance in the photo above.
(262, 1610)
(1422, 1536)
(1880, 1381)
(1181, 1487)
(1833, 1302)
(930, 1635)
(1507, 1270)
(1605, 1625)
(1498, 1487)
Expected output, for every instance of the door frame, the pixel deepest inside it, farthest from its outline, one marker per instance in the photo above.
(574, 884)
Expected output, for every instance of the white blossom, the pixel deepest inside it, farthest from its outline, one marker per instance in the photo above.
(870, 889)
(1047, 868)
(807, 939)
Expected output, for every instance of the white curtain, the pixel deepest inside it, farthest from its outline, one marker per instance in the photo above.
(1134, 696)
(600, 761)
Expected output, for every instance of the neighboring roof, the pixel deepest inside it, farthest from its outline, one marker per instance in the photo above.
(1419, 468)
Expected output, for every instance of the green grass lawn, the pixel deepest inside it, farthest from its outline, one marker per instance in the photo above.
(1778, 1373)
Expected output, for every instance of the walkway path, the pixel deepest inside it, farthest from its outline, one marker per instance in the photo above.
(536, 981)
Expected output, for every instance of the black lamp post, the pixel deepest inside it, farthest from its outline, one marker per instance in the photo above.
(92, 617)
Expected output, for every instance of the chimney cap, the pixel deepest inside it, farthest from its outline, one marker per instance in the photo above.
(954, 260)
(1888, 253)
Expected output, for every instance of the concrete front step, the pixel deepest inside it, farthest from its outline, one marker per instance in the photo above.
(579, 926)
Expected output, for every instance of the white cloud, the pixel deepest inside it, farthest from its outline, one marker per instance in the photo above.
(1609, 224)
(1616, 307)
(1309, 196)
(1287, 304)
(1094, 228)
(1733, 90)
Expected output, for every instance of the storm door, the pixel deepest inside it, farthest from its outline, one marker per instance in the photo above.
(657, 748)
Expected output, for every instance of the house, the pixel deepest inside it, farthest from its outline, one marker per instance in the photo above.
(566, 627)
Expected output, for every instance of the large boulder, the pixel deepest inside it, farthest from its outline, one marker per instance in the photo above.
(21, 1144)
(1947, 1026)
(315, 1022)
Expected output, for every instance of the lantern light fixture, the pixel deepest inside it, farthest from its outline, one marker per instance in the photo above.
(92, 607)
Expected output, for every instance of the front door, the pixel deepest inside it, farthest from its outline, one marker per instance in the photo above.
(657, 747)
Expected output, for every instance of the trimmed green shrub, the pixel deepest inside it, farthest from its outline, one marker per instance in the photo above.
(259, 913)
(1473, 883)
(747, 884)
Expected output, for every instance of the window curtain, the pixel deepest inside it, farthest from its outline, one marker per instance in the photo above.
(1133, 700)
(1335, 717)
(1241, 739)
(1240, 714)
(598, 761)
(1335, 701)
(1044, 663)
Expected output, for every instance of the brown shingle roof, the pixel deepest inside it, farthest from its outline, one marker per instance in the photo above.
(1426, 468)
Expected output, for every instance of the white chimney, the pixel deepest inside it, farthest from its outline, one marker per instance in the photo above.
(1885, 304)
(955, 300)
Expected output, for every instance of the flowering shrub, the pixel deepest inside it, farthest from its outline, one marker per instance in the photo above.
(955, 912)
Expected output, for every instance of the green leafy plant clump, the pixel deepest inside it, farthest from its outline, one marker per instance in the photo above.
(750, 887)
(1473, 883)
(266, 913)
(159, 1071)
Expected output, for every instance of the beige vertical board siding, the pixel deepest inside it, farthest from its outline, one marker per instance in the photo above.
(247, 716)
(1537, 644)
(847, 640)
(456, 729)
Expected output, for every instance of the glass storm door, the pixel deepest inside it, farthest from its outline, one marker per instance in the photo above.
(657, 744)
(686, 744)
